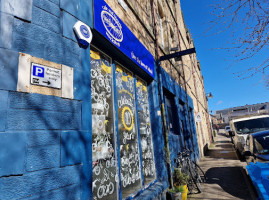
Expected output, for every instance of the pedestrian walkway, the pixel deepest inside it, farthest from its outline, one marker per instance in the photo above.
(226, 175)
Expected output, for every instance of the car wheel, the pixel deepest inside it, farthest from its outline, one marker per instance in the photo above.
(239, 155)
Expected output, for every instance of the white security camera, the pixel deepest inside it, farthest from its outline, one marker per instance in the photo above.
(83, 33)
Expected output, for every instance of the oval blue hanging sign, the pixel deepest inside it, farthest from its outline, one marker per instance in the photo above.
(109, 25)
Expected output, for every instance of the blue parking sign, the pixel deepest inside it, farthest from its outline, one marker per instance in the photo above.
(46, 76)
(38, 71)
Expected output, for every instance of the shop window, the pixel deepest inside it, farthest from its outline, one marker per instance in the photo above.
(104, 145)
(129, 150)
(145, 132)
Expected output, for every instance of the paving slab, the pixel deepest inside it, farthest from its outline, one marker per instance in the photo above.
(227, 178)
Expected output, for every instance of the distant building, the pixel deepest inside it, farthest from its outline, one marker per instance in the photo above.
(216, 119)
(227, 114)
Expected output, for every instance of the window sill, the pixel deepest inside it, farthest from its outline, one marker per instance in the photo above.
(153, 191)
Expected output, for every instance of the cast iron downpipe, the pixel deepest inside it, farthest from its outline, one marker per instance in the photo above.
(165, 131)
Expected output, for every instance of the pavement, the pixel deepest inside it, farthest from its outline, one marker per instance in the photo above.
(226, 174)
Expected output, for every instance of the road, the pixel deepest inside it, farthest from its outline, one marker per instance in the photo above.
(227, 178)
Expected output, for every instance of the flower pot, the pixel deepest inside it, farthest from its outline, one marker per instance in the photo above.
(184, 194)
(175, 195)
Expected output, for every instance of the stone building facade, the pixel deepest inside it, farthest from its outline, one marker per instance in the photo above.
(170, 32)
(103, 121)
(229, 113)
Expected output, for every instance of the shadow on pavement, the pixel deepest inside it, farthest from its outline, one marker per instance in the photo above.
(222, 134)
(226, 177)
(223, 142)
(225, 146)
(230, 179)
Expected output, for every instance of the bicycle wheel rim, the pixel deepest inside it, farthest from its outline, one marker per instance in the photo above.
(194, 177)
(200, 172)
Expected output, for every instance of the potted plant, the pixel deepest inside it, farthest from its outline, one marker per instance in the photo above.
(179, 189)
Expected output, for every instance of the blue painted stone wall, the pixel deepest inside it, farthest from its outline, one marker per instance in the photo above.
(45, 141)
(43, 147)
(157, 133)
(176, 141)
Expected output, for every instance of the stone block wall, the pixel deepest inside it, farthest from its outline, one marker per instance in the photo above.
(43, 147)
(45, 141)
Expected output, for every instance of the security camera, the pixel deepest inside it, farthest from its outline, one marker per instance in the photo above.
(83, 34)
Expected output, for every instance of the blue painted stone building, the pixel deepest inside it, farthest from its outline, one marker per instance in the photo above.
(99, 133)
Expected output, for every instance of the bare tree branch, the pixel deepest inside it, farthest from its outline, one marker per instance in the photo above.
(248, 23)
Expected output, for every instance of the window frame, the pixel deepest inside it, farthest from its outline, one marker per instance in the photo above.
(175, 118)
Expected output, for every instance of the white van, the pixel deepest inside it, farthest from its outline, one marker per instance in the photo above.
(242, 127)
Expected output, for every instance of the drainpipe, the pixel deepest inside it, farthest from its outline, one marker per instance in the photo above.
(165, 130)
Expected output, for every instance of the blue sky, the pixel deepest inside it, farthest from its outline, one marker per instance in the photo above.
(228, 90)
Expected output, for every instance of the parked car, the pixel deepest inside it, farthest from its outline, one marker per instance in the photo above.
(227, 130)
(257, 147)
(242, 127)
